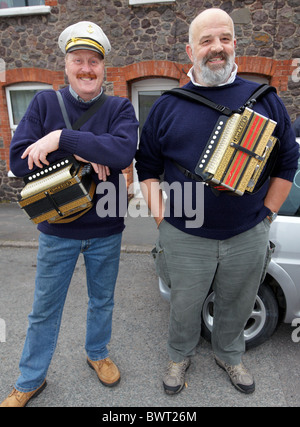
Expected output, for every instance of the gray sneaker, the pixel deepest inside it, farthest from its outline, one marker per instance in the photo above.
(239, 376)
(174, 378)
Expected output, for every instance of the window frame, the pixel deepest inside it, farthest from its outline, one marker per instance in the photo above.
(25, 10)
(17, 88)
(147, 85)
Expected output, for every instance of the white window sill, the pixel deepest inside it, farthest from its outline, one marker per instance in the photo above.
(26, 10)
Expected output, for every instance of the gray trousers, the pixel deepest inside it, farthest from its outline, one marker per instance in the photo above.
(233, 267)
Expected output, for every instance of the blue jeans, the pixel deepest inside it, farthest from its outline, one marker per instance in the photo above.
(57, 259)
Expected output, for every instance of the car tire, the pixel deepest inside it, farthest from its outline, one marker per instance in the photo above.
(261, 324)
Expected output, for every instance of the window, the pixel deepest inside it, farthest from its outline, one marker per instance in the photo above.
(10, 8)
(20, 3)
(144, 94)
(18, 98)
(255, 78)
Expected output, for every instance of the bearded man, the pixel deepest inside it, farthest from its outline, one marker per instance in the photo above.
(228, 250)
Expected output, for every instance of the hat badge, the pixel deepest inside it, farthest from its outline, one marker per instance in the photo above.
(90, 29)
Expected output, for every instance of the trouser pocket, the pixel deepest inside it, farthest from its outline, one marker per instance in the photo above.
(269, 253)
(161, 264)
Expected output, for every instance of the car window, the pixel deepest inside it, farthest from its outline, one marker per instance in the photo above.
(291, 206)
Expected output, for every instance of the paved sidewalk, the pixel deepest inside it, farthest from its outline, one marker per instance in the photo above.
(16, 230)
(138, 344)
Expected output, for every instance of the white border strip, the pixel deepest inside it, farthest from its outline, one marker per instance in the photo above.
(138, 2)
(26, 10)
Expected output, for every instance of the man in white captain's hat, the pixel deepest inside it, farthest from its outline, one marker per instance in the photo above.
(84, 35)
(85, 41)
(109, 137)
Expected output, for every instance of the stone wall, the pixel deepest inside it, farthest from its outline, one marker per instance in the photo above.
(9, 187)
(157, 32)
(137, 33)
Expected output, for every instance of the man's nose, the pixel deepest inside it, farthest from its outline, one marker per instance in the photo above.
(86, 67)
(217, 46)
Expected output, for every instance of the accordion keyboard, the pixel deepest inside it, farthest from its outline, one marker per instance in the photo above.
(228, 126)
(40, 182)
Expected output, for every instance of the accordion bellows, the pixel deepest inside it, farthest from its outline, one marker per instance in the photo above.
(237, 151)
(57, 192)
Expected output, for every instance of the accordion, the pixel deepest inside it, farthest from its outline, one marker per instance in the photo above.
(237, 152)
(59, 191)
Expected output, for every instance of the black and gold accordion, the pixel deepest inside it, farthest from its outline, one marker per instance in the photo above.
(237, 152)
(58, 193)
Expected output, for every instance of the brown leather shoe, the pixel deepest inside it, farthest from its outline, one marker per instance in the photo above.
(17, 399)
(108, 373)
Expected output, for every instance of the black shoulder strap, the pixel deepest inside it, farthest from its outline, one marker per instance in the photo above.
(194, 96)
(90, 112)
(63, 110)
(258, 93)
(85, 117)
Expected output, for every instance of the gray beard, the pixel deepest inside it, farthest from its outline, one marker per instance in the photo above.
(214, 78)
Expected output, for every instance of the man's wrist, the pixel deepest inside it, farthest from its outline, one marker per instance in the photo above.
(272, 216)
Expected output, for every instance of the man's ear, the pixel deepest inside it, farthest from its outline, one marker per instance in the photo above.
(189, 51)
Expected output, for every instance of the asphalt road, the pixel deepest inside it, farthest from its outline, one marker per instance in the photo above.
(138, 346)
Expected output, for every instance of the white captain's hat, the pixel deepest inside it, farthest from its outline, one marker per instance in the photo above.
(84, 35)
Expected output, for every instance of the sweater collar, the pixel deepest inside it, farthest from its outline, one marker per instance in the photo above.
(77, 97)
(230, 80)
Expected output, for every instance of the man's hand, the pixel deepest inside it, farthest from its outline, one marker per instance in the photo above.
(37, 153)
(277, 193)
(153, 196)
(102, 171)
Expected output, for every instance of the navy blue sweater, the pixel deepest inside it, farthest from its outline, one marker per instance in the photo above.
(109, 137)
(178, 129)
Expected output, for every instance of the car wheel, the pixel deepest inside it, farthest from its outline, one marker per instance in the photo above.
(261, 324)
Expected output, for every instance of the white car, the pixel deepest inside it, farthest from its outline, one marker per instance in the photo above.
(278, 298)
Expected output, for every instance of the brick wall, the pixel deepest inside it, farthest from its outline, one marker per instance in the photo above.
(147, 41)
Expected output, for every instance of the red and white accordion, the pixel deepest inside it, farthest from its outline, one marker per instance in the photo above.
(237, 152)
(58, 191)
